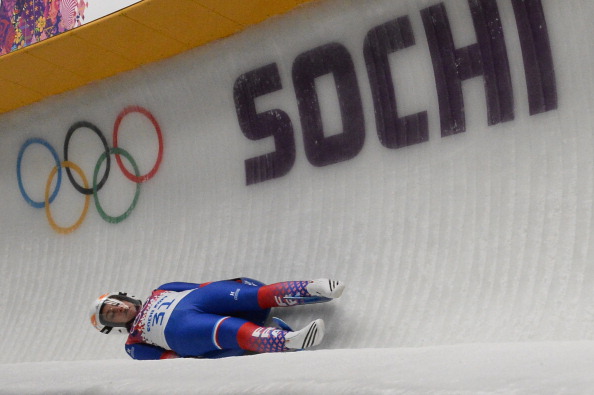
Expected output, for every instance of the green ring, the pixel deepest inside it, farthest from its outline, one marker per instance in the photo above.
(104, 215)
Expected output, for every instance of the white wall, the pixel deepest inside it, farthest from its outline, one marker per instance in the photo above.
(481, 236)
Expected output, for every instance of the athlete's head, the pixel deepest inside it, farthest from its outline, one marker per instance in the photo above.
(114, 311)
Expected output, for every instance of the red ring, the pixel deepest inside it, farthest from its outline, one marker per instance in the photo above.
(116, 127)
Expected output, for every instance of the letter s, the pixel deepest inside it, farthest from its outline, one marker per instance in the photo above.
(257, 126)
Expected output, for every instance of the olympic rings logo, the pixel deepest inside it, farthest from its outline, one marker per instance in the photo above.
(97, 183)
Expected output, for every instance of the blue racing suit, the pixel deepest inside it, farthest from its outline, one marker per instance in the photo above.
(209, 320)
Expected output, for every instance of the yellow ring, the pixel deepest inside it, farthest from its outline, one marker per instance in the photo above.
(48, 185)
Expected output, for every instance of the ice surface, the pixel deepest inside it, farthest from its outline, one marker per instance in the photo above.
(526, 368)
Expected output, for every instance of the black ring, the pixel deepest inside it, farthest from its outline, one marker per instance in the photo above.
(73, 128)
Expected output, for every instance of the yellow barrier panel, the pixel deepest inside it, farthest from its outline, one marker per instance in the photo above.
(146, 32)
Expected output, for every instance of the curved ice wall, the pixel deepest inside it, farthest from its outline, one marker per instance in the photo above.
(437, 156)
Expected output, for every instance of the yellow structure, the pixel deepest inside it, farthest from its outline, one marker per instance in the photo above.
(145, 32)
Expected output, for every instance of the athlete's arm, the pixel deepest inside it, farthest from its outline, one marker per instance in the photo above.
(143, 351)
(178, 286)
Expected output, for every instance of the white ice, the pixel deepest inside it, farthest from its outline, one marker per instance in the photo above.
(523, 368)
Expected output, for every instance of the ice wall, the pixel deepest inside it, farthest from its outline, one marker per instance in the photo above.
(436, 156)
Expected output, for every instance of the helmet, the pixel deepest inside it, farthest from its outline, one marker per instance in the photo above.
(101, 323)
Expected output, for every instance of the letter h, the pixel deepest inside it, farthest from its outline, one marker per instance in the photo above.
(487, 57)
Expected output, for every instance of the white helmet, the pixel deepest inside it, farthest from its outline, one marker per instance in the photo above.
(101, 323)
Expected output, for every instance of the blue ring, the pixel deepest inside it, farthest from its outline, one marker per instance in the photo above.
(20, 180)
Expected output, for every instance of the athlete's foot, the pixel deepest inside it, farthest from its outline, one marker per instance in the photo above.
(309, 336)
(326, 288)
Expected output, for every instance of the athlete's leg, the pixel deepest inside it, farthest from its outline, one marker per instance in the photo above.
(227, 298)
(197, 334)
(290, 293)
(189, 333)
(256, 315)
(256, 338)
(231, 297)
